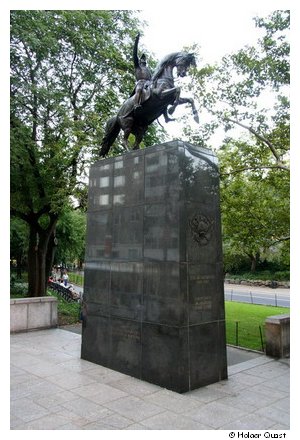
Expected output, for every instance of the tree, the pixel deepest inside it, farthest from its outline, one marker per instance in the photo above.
(19, 244)
(254, 204)
(68, 70)
(70, 235)
(234, 93)
(248, 90)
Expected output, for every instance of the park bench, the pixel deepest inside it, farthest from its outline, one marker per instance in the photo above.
(64, 292)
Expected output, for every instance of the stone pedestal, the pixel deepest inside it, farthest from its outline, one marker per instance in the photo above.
(154, 298)
(277, 331)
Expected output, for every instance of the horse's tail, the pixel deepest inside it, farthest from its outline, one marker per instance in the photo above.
(111, 132)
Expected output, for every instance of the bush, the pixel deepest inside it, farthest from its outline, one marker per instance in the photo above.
(263, 275)
(68, 312)
(283, 275)
(18, 289)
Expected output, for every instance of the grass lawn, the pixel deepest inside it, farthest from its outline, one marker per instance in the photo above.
(250, 318)
(244, 322)
(75, 278)
(68, 313)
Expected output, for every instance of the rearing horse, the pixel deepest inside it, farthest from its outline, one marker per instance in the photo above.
(160, 94)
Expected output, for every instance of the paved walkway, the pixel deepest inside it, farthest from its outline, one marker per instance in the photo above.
(52, 388)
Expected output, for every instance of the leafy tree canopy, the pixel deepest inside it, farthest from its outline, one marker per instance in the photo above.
(249, 90)
(69, 71)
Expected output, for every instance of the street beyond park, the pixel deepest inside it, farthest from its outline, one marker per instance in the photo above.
(257, 295)
(248, 294)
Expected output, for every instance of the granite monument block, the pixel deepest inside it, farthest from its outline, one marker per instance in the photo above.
(154, 296)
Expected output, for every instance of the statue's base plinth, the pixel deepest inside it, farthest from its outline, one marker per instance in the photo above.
(154, 293)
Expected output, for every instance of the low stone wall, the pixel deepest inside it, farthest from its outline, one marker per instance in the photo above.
(259, 283)
(33, 313)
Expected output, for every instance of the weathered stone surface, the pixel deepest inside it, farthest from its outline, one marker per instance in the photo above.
(153, 276)
(277, 331)
(33, 313)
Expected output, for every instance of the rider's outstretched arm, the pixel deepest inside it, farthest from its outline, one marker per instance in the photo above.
(135, 51)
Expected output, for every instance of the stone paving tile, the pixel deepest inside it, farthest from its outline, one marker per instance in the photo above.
(249, 400)
(136, 427)
(248, 380)
(69, 427)
(39, 389)
(209, 393)
(215, 414)
(267, 390)
(99, 393)
(50, 421)
(22, 377)
(251, 421)
(104, 375)
(26, 410)
(283, 404)
(15, 371)
(22, 388)
(133, 408)
(86, 409)
(281, 383)
(15, 422)
(170, 421)
(56, 357)
(172, 401)
(135, 386)
(55, 400)
(229, 386)
(276, 415)
(21, 359)
(270, 371)
(77, 365)
(79, 421)
(99, 425)
(69, 381)
(281, 427)
(113, 421)
(44, 369)
(53, 388)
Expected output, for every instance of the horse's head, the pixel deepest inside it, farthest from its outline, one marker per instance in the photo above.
(183, 62)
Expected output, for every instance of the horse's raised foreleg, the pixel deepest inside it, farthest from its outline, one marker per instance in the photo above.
(180, 101)
(138, 134)
(125, 139)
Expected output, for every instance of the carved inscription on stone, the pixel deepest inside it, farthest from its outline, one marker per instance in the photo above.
(125, 333)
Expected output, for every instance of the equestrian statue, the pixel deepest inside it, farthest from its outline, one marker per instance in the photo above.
(154, 95)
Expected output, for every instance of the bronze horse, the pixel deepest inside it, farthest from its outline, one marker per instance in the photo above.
(157, 96)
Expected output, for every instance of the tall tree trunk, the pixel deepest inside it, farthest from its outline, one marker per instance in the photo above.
(254, 260)
(52, 245)
(37, 256)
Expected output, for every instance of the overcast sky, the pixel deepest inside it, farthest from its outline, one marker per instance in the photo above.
(217, 33)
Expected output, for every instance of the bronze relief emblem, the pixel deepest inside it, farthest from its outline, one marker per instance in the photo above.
(201, 228)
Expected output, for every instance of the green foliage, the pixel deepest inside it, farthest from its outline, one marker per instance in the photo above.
(263, 275)
(70, 234)
(76, 278)
(254, 203)
(245, 98)
(249, 317)
(249, 89)
(69, 70)
(18, 240)
(68, 312)
(18, 290)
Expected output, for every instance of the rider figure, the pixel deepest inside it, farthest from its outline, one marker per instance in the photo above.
(142, 74)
